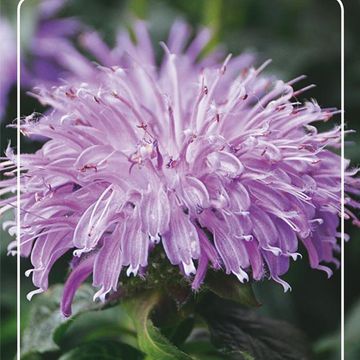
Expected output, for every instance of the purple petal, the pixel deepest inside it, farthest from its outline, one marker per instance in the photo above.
(73, 282)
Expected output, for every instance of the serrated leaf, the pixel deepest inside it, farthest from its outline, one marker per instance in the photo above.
(244, 334)
(230, 288)
(150, 340)
(103, 349)
(46, 322)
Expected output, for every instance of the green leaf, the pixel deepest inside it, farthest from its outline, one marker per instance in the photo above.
(330, 346)
(182, 330)
(47, 324)
(230, 288)
(245, 335)
(150, 340)
(111, 323)
(104, 349)
(352, 329)
(200, 347)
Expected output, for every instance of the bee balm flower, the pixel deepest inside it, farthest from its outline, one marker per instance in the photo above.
(213, 161)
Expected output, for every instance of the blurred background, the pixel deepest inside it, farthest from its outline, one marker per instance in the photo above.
(301, 37)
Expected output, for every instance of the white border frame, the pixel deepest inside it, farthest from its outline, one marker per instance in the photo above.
(18, 151)
(342, 219)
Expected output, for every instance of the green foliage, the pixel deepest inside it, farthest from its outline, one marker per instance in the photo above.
(150, 339)
(212, 18)
(329, 348)
(139, 8)
(108, 324)
(243, 334)
(46, 323)
(103, 349)
(352, 331)
(228, 287)
(138, 328)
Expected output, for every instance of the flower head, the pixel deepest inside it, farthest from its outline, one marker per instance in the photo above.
(215, 162)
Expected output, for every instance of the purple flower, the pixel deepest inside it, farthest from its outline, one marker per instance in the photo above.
(214, 161)
(40, 63)
(46, 44)
(52, 37)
